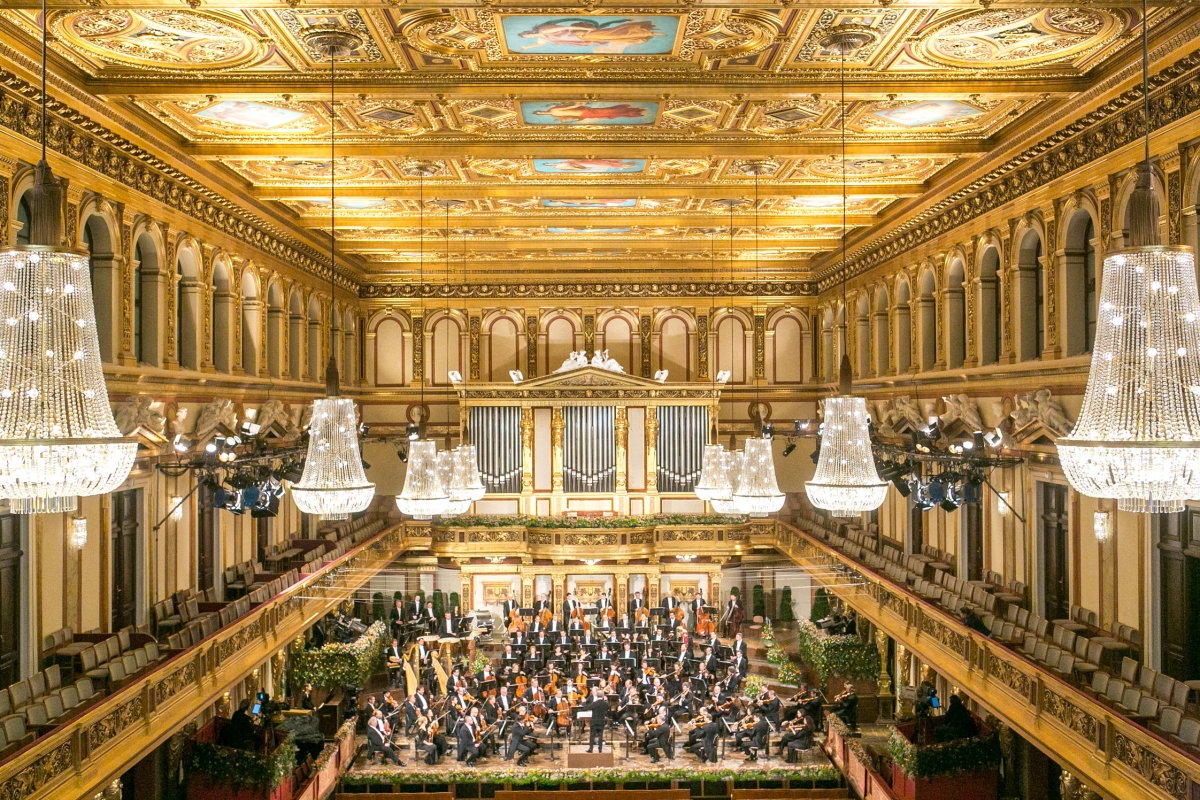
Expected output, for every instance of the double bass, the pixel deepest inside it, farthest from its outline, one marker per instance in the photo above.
(515, 623)
(704, 624)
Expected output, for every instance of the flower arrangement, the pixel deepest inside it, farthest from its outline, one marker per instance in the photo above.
(338, 664)
(753, 686)
(787, 671)
(565, 522)
(480, 661)
(798, 776)
(243, 769)
(327, 752)
(846, 656)
(768, 632)
(955, 757)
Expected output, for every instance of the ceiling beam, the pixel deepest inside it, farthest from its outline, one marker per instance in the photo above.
(583, 148)
(697, 219)
(574, 5)
(587, 189)
(602, 84)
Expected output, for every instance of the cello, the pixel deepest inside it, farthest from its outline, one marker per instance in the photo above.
(515, 623)
(704, 624)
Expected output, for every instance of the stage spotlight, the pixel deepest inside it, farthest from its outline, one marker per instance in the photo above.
(801, 427)
(768, 431)
(413, 431)
(994, 438)
(363, 429)
(903, 488)
(402, 454)
(211, 447)
(365, 464)
(949, 505)
(935, 491)
(816, 453)
(293, 472)
(182, 444)
(979, 441)
(968, 444)
(789, 448)
(249, 429)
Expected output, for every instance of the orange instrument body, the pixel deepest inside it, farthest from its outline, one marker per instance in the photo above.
(545, 617)
(704, 624)
(538, 701)
(679, 613)
(610, 614)
(515, 623)
(641, 615)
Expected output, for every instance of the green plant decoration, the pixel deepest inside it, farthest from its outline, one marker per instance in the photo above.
(786, 614)
(243, 769)
(336, 664)
(753, 686)
(799, 777)
(454, 602)
(480, 661)
(438, 601)
(846, 656)
(820, 607)
(736, 591)
(758, 602)
(379, 609)
(955, 757)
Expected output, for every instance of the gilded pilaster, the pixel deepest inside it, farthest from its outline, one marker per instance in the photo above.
(1051, 263)
(126, 355)
(475, 328)
(646, 345)
(526, 450)
(556, 449)
(206, 306)
(170, 329)
(531, 337)
(418, 340)
(702, 345)
(1171, 164)
(1007, 356)
(970, 300)
(589, 333)
(941, 345)
(651, 450)
(760, 346)
(621, 433)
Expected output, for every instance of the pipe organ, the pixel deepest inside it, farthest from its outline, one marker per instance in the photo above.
(682, 434)
(589, 449)
(588, 440)
(496, 434)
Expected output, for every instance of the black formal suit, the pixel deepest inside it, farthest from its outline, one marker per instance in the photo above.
(634, 605)
(771, 709)
(599, 709)
(656, 740)
(377, 744)
(520, 742)
(508, 607)
(466, 749)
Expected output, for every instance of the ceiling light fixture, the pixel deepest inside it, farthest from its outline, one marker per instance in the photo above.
(424, 496)
(757, 491)
(1137, 439)
(846, 482)
(58, 439)
(707, 488)
(333, 485)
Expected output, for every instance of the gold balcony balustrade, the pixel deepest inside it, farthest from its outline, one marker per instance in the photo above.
(87, 753)
(1104, 749)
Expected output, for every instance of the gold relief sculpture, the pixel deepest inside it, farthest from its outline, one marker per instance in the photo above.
(496, 592)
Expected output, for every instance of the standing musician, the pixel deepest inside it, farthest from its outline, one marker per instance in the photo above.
(396, 619)
(395, 658)
(734, 614)
(658, 737)
(569, 605)
(421, 612)
(603, 604)
(636, 603)
(510, 605)
(521, 741)
(739, 646)
(598, 705)
(670, 603)
(541, 605)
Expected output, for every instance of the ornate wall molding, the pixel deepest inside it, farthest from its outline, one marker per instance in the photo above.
(386, 291)
(1175, 93)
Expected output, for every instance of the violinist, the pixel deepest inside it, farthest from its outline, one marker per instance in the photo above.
(675, 681)
(504, 703)
(845, 705)
(455, 680)
(467, 748)
(702, 740)
(490, 711)
(427, 748)
(801, 731)
(770, 706)
(627, 707)
(412, 714)
(484, 739)
(521, 741)
(421, 700)
(379, 739)
(388, 706)
(658, 736)
(732, 682)
(758, 733)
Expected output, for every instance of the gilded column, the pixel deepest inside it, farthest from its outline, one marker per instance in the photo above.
(556, 450)
(170, 329)
(127, 269)
(621, 432)
(970, 298)
(714, 588)
(653, 581)
(474, 326)
(651, 450)
(1006, 278)
(526, 450)
(559, 581)
(466, 581)
(702, 346)
(760, 346)
(1051, 264)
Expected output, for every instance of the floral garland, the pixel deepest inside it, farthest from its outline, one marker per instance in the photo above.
(344, 732)
(955, 757)
(244, 769)
(554, 777)
(338, 664)
(527, 521)
(753, 686)
(864, 755)
(787, 671)
(845, 656)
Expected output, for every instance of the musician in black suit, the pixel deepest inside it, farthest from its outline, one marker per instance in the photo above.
(800, 734)
(570, 604)
(670, 603)
(397, 618)
(603, 602)
(771, 706)
(710, 661)
(659, 737)
(509, 606)
(377, 740)
(521, 742)
(448, 626)
(759, 737)
(466, 749)
(410, 713)
(599, 708)
(734, 614)
(846, 707)
(739, 646)
(542, 604)
(636, 603)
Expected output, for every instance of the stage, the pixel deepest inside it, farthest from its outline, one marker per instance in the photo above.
(549, 767)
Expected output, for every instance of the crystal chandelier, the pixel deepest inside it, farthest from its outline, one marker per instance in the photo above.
(333, 485)
(58, 439)
(452, 481)
(707, 487)
(424, 495)
(78, 532)
(756, 492)
(1137, 439)
(468, 464)
(846, 482)
(729, 466)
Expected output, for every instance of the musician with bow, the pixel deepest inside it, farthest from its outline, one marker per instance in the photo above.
(658, 736)
(734, 614)
(521, 741)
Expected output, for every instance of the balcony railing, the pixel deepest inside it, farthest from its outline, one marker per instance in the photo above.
(82, 756)
(1107, 751)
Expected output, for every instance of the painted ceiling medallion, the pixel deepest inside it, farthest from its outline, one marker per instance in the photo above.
(1020, 37)
(170, 38)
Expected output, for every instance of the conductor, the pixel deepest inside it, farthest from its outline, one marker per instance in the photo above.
(598, 705)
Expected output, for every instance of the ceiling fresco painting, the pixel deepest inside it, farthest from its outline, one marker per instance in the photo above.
(556, 127)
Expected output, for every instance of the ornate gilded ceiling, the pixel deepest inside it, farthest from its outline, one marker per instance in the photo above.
(596, 139)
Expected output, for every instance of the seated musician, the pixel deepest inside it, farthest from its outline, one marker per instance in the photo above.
(710, 661)
(536, 626)
(556, 704)
(542, 640)
(627, 651)
(605, 623)
(467, 748)
(684, 701)
(460, 703)
(704, 746)
(411, 716)
(455, 680)
(658, 737)
(732, 682)
(421, 700)
(521, 741)
(388, 705)
(771, 706)
(630, 698)
(379, 739)
(448, 626)
(518, 639)
(490, 710)
(624, 622)
(575, 627)
(394, 656)
(554, 629)
(845, 705)
(424, 656)
(799, 734)
(486, 739)
(758, 736)
(740, 664)
(585, 639)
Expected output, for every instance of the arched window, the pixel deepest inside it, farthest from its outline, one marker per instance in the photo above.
(188, 304)
(731, 349)
(275, 325)
(315, 368)
(882, 352)
(295, 336)
(862, 336)
(391, 358)
(147, 301)
(251, 324)
(222, 316)
(1031, 316)
(445, 350)
(502, 348)
(560, 341)
(101, 271)
(1080, 284)
(956, 316)
(674, 349)
(618, 340)
(787, 350)
(990, 319)
(927, 321)
(903, 338)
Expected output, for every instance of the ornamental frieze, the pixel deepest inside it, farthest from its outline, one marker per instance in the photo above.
(38, 774)
(388, 291)
(1145, 763)
(1069, 714)
(113, 723)
(1009, 675)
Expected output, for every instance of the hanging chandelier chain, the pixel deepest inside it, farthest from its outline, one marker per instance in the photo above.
(1145, 77)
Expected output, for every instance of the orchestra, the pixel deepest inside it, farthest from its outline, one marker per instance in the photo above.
(584, 672)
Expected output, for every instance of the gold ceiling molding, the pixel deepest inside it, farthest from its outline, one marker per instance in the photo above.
(1175, 93)
(79, 138)
(568, 291)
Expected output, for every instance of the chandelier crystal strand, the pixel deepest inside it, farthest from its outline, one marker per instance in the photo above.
(334, 484)
(846, 482)
(467, 462)
(1137, 439)
(58, 438)
(710, 460)
(729, 467)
